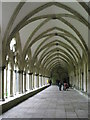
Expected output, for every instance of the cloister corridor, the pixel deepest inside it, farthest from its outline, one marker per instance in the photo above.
(44, 45)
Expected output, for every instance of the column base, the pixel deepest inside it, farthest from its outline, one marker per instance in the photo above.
(21, 92)
(25, 91)
(30, 89)
(11, 95)
(2, 99)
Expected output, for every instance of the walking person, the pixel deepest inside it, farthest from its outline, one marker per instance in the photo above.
(65, 85)
(50, 82)
(60, 85)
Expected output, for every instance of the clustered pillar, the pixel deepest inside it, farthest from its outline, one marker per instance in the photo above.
(24, 82)
(30, 81)
(2, 83)
(80, 79)
(37, 80)
(11, 83)
(40, 80)
(20, 81)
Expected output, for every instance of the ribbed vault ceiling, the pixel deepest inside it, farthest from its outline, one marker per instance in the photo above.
(56, 34)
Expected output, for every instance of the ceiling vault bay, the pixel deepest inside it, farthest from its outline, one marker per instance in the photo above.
(53, 39)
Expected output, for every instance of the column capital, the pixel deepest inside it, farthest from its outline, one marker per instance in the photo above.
(2, 67)
(15, 71)
(36, 74)
(40, 75)
(30, 73)
(20, 71)
(24, 73)
(2, 99)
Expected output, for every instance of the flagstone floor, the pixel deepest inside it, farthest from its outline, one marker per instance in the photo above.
(51, 103)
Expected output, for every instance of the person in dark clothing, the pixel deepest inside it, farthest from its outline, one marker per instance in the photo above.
(66, 86)
(50, 82)
(60, 85)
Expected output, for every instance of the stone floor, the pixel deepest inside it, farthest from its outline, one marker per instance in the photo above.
(51, 103)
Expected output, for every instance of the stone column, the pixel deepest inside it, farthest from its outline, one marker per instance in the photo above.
(85, 77)
(33, 81)
(6, 84)
(45, 80)
(82, 81)
(70, 80)
(30, 80)
(11, 83)
(88, 91)
(24, 82)
(74, 80)
(21, 81)
(88, 77)
(88, 83)
(2, 83)
(15, 81)
(41, 80)
(37, 80)
(78, 80)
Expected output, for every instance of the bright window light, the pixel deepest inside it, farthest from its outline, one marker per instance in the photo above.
(12, 43)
